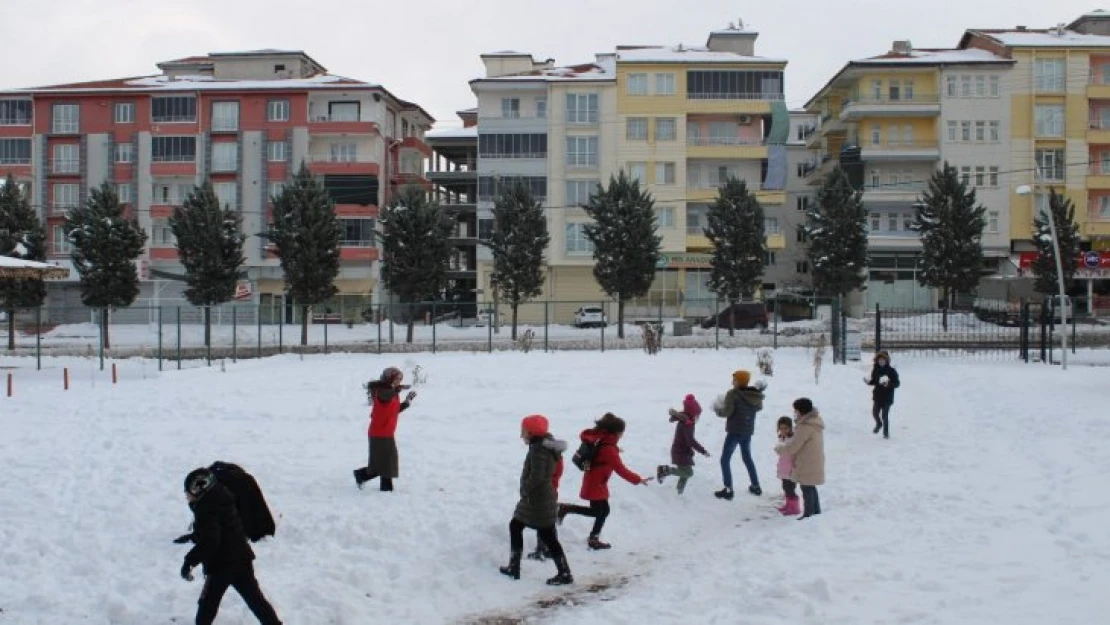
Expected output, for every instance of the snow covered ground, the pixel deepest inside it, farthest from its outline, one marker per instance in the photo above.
(987, 506)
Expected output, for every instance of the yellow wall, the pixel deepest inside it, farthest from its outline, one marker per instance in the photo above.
(924, 81)
(924, 129)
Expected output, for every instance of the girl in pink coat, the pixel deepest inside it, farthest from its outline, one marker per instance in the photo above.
(786, 467)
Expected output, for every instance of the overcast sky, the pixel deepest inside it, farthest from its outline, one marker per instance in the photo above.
(427, 50)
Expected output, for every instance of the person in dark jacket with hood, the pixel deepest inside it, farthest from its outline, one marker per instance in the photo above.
(684, 444)
(538, 505)
(884, 378)
(740, 406)
(221, 546)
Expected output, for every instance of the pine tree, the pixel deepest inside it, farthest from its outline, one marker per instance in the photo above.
(306, 236)
(210, 246)
(518, 242)
(951, 224)
(626, 246)
(736, 231)
(416, 248)
(22, 235)
(1045, 279)
(837, 231)
(105, 247)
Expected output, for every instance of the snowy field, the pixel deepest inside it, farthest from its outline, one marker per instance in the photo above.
(987, 505)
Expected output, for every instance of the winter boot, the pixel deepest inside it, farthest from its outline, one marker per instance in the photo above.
(792, 506)
(513, 570)
(724, 493)
(540, 554)
(755, 490)
(563, 576)
(359, 481)
(595, 543)
(661, 472)
(563, 510)
(878, 426)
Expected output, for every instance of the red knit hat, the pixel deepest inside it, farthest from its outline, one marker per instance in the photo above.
(534, 425)
(691, 407)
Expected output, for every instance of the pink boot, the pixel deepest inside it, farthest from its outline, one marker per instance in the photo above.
(792, 506)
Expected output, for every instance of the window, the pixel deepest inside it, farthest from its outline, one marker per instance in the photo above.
(1049, 120)
(980, 176)
(980, 131)
(581, 108)
(277, 111)
(893, 137)
(894, 89)
(225, 116)
(582, 151)
(637, 84)
(15, 112)
(541, 108)
(636, 129)
(995, 87)
(527, 146)
(666, 129)
(965, 175)
(170, 109)
(65, 196)
(965, 131)
(637, 171)
(228, 194)
(992, 222)
(490, 186)
(875, 179)
(800, 235)
(276, 189)
(876, 134)
(62, 244)
(965, 86)
(907, 90)
(1048, 75)
(277, 151)
(124, 113)
(734, 85)
(123, 190)
(579, 191)
(980, 86)
(993, 131)
(225, 156)
(768, 259)
(950, 86)
(952, 130)
(161, 234)
(907, 135)
(357, 232)
(876, 222)
(876, 90)
(802, 266)
(125, 153)
(577, 244)
(1040, 203)
(510, 107)
(67, 158)
(992, 175)
(1050, 164)
(66, 119)
(664, 216)
(173, 149)
(171, 194)
(907, 222)
(664, 173)
(801, 202)
(892, 222)
(15, 151)
(771, 226)
(664, 84)
(339, 152)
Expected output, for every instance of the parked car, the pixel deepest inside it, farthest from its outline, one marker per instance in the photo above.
(743, 316)
(590, 317)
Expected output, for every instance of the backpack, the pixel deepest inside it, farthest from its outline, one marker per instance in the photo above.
(585, 455)
(249, 501)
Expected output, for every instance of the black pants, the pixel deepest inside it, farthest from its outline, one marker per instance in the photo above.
(811, 503)
(881, 412)
(365, 474)
(547, 537)
(788, 488)
(246, 585)
(598, 509)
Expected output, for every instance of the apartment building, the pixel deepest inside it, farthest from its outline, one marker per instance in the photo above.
(1059, 107)
(453, 174)
(245, 120)
(890, 121)
(788, 270)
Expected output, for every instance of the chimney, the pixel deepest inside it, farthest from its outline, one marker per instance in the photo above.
(1021, 28)
(902, 47)
(1060, 29)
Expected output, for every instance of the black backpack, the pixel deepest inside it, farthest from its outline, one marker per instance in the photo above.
(585, 455)
(249, 501)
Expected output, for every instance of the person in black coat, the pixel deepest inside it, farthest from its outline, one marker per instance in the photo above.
(221, 547)
(884, 379)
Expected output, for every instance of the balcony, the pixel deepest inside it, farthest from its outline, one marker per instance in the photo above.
(1098, 209)
(416, 143)
(821, 167)
(65, 166)
(358, 250)
(173, 168)
(469, 174)
(342, 164)
(1098, 174)
(59, 209)
(904, 105)
(696, 239)
(340, 124)
(1098, 131)
(730, 147)
(903, 150)
(706, 191)
(1098, 83)
(894, 193)
(731, 103)
(163, 251)
(224, 166)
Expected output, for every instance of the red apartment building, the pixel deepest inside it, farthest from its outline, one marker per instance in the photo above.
(246, 120)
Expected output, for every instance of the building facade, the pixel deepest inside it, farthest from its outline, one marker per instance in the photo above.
(244, 120)
(453, 174)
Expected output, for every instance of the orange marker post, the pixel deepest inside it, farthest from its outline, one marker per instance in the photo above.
(115, 377)
(9, 384)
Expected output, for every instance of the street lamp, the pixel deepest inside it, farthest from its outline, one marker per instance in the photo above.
(1028, 190)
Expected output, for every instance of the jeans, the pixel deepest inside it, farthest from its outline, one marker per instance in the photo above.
(244, 583)
(811, 503)
(745, 443)
(881, 412)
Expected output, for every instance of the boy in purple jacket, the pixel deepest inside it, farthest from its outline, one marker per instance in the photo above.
(684, 445)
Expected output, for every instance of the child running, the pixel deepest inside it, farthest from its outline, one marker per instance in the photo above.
(684, 445)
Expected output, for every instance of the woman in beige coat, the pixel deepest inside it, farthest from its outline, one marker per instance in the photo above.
(807, 448)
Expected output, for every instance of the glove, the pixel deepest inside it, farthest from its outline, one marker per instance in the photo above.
(182, 539)
(761, 385)
(187, 572)
(411, 396)
(706, 454)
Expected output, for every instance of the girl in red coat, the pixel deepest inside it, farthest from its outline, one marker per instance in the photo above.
(606, 432)
(386, 406)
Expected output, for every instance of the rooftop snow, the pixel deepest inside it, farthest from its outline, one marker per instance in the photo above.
(452, 133)
(205, 83)
(933, 56)
(1047, 39)
(605, 70)
(686, 54)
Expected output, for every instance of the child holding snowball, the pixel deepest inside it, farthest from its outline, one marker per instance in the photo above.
(884, 378)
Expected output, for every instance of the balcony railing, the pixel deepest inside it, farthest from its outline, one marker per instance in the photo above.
(898, 144)
(14, 160)
(173, 119)
(515, 155)
(1100, 168)
(340, 158)
(896, 187)
(224, 165)
(911, 98)
(65, 165)
(357, 243)
(771, 230)
(61, 208)
(15, 120)
(326, 117)
(65, 128)
(695, 230)
(734, 95)
(717, 184)
(1098, 76)
(1099, 124)
(724, 141)
(1098, 209)
(512, 115)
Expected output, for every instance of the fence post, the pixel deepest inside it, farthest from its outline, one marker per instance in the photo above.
(208, 343)
(234, 332)
(38, 338)
(433, 327)
(716, 324)
(878, 328)
(258, 319)
(178, 338)
(1044, 333)
(103, 322)
(327, 322)
(546, 321)
(159, 338)
(660, 309)
(604, 322)
(378, 314)
(281, 331)
(1071, 317)
(489, 333)
(843, 335)
(834, 327)
(775, 336)
(1023, 333)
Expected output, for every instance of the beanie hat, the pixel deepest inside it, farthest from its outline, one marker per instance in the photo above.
(691, 407)
(742, 377)
(803, 405)
(884, 355)
(534, 425)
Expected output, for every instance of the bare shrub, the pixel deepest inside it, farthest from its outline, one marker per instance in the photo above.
(652, 334)
(765, 361)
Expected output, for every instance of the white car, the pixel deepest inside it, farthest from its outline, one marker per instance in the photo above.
(590, 317)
